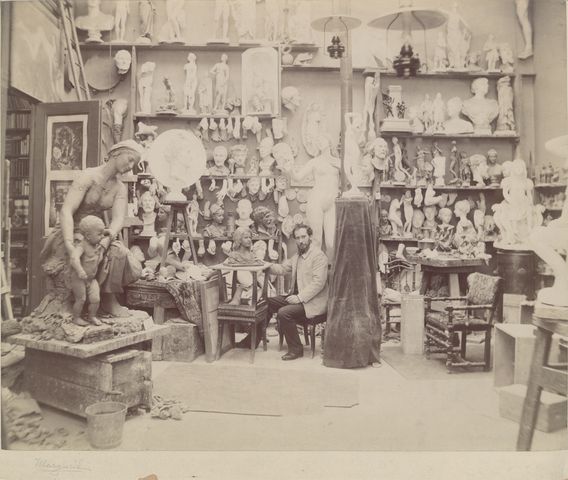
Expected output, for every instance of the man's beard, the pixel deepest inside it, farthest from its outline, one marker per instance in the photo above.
(304, 248)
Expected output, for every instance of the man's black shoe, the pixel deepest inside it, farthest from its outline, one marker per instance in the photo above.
(292, 355)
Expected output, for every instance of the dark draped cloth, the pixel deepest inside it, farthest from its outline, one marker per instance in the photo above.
(353, 330)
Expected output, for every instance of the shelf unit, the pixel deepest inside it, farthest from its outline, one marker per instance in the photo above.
(168, 58)
(17, 164)
(508, 146)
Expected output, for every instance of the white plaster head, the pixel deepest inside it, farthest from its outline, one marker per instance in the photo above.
(291, 98)
(122, 61)
(480, 86)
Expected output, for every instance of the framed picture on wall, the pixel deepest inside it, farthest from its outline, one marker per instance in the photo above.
(65, 154)
(260, 77)
(67, 138)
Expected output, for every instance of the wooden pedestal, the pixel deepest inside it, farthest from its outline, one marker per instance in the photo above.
(182, 344)
(72, 384)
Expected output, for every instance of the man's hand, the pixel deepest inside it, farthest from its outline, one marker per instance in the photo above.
(293, 300)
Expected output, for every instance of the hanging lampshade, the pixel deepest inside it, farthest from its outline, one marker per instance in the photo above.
(336, 24)
(407, 19)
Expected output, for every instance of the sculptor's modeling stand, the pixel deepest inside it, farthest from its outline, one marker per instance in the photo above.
(177, 206)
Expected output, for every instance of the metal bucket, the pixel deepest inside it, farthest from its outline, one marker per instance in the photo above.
(105, 422)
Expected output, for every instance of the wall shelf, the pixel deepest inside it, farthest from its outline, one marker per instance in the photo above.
(230, 47)
(550, 185)
(438, 136)
(441, 187)
(154, 116)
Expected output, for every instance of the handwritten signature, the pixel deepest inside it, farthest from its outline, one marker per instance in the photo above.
(55, 467)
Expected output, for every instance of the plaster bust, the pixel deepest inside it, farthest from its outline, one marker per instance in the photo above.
(482, 111)
(455, 124)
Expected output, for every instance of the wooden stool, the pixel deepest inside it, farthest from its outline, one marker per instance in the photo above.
(548, 320)
(247, 315)
(309, 325)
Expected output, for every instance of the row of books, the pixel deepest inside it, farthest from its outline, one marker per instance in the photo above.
(19, 167)
(19, 186)
(18, 120)
(18, 146)
(20, 212)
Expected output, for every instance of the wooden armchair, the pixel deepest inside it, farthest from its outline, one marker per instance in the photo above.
(442, 328)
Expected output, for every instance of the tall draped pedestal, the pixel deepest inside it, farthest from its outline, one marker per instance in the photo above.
(353, 330)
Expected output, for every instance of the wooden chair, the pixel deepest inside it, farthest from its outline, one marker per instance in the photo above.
(442, 328)
(249, 315)
(309, 326)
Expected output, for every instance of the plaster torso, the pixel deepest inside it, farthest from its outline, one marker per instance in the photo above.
(326, 185)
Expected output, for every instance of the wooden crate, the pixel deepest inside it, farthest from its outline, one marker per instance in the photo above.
(154, 295)
(72, 384)
(551, 413)
(183, 343)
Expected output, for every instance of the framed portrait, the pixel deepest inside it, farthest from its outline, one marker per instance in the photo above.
(260, 77)
(67, 139)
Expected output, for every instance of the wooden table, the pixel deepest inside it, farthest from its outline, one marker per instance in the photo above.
(453, 267)
(548, 321)
(73, 376)
(249, 315)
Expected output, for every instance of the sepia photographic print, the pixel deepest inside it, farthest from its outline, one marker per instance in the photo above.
(345, 256)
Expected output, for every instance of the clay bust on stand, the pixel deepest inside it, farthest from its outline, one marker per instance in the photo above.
(482, 111)
(456, 125)
(551, 242)
(495, 171)
(94, 22)
(378, 151)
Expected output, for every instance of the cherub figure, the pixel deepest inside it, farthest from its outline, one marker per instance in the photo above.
(84, 267)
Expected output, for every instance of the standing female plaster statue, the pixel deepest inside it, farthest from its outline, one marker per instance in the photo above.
(221, 73)
(145, 87)
(190, 85)
(320, 210)
(171, 31)
(372, 87)
(352, 154)
(147, 12)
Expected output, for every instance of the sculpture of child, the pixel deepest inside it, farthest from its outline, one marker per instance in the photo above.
(238, 159)
(444, 235)
(84, 268)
